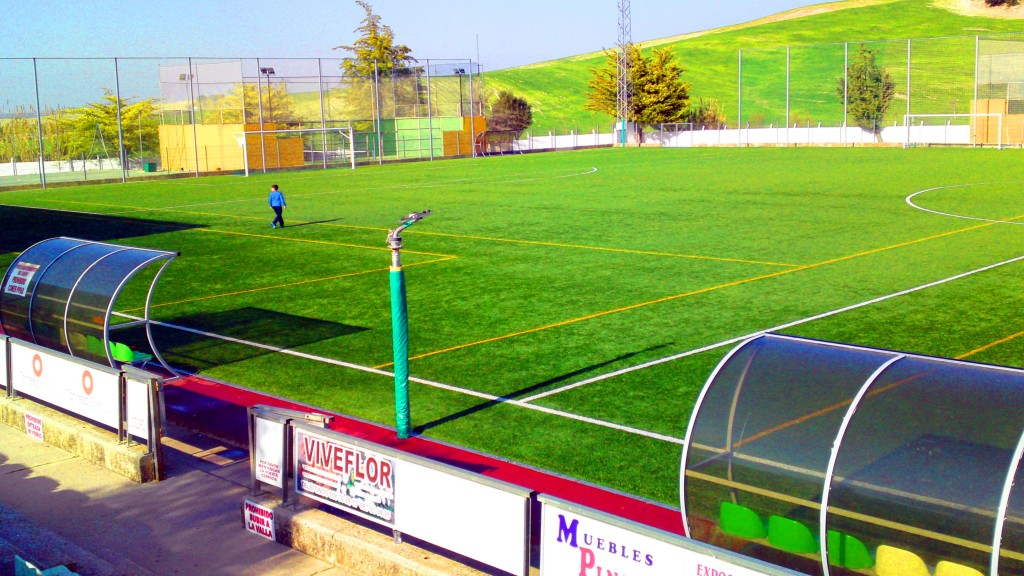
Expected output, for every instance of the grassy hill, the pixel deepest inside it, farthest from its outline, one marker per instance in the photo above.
(942, 71)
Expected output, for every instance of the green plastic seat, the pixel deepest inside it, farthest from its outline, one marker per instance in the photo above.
(23, 567)
(847, 551)
(741, 521)
(94, 346)
(121, 352)
(791, 536)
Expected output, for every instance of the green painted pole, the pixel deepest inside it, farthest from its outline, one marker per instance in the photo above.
(400, 325)
(400, 340)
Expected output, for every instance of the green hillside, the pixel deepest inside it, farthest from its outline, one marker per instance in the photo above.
(942, 70)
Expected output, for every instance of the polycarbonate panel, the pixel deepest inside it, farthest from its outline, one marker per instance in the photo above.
(55, 286)
(92, 297)
(14, 308)
(1011, 561)
(764, 432)
(923, 463)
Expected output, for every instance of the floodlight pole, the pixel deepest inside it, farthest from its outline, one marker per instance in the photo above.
(400, 325)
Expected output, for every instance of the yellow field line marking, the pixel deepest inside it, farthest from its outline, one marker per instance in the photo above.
(288, 285)
(459, 236)
(309, 241)
(187, 228)
(991, 345)
(691, 293)
(602, 249)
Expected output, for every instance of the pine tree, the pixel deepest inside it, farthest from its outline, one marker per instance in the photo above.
(659, 93)
(376, 51)
(868, 90)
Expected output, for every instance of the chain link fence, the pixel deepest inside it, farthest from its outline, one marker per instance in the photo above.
(111, 119)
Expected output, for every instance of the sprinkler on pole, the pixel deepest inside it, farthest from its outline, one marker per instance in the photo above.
(400, 325)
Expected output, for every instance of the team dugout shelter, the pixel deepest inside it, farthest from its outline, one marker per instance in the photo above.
(61, 293)
(835, 459)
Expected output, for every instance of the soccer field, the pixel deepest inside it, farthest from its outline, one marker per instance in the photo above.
(565, 309)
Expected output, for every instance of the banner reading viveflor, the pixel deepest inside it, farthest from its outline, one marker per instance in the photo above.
(348, 477)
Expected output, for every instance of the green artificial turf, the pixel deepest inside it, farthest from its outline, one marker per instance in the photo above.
(539, 271)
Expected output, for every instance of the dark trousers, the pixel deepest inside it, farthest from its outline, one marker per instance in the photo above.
(279, 220)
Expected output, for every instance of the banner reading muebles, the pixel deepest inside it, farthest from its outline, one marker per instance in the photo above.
(349, 477)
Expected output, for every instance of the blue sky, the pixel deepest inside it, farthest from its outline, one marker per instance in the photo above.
(510, 33)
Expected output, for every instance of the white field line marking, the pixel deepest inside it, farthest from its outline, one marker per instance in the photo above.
(910, 200)
(439, 385)
(401, 186)
(772, 329)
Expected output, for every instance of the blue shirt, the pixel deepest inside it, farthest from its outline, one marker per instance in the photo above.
(277, 198)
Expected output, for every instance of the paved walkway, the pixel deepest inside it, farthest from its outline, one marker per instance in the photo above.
(56, 507)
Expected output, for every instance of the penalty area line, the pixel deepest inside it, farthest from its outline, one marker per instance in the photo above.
(739, 339)
(431, 383)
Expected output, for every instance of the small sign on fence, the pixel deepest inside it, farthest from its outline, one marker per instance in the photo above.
(259, 520)
(34, 426)
(17, 283)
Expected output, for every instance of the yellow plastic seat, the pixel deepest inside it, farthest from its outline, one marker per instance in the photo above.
(892, 561)
(945, 568)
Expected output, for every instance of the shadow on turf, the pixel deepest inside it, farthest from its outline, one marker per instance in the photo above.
(22, 227)
(313, 223)
(530, 390)
(195, 352)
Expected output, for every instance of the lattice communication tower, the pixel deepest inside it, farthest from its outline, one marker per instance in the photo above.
(624, 86)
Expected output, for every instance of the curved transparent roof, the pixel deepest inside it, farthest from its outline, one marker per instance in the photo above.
(60, 294)
(859, 456)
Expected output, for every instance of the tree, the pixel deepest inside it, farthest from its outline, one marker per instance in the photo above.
(99, 120)
(659, 93)
(278, 105)
(510, 112)
(868, 90)
(375, 50)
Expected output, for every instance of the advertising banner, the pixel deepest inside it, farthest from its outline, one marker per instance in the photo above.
(88, 391)
(579, 542)
(269, 454)
(345, 476)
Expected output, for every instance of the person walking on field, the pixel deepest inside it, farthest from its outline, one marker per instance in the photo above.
(278, 204)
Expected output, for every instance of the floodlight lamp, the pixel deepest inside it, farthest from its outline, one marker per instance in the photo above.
(459, 71)
(267, 71)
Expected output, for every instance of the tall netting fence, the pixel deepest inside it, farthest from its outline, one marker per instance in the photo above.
(109, 119)
(956, 90)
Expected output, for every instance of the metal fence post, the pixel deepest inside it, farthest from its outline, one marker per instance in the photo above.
(259, 96)
(846, 90)
(323, 114)
(192, 115)
(739, 89)
(39, 126)
(120, 127)
(376, 112)
(472, 112)
(430, 116)
(787, 96)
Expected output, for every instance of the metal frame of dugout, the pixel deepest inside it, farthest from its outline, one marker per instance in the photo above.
(60, 294)
(836, 459)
